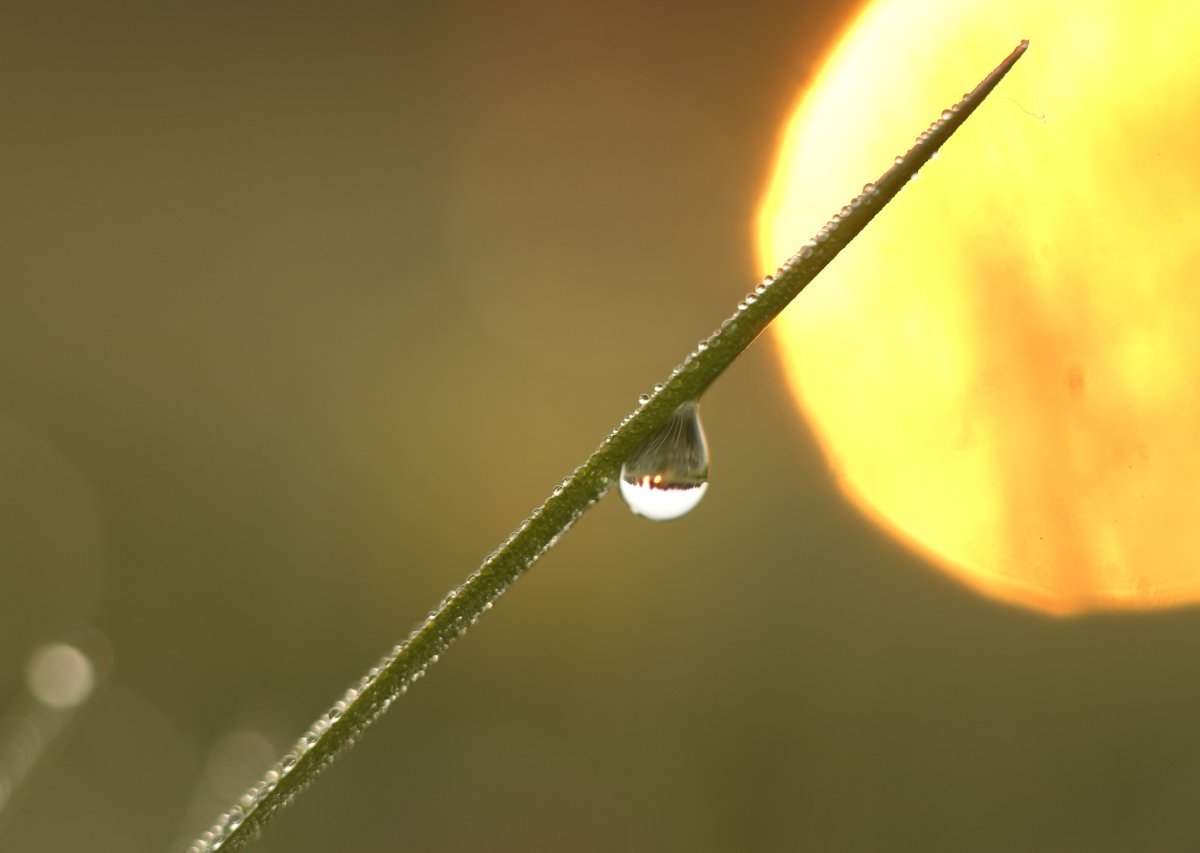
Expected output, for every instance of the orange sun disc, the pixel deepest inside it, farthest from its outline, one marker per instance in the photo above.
(1004, 369)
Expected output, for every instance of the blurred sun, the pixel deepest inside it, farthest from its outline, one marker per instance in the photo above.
(1004, 369)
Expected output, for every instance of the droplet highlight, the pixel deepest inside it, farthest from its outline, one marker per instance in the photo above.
(668, 475)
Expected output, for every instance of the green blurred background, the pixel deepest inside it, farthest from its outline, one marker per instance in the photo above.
(306, 305)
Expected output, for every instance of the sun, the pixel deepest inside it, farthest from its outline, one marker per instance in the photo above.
(1004, 369)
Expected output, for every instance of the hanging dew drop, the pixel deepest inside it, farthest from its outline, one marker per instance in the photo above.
(668, 476)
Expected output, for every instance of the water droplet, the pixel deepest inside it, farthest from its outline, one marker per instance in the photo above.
(760, 290)
(643, 399)
(847, 210)
(868, 189)
(668, 476)
(806, 251)
(947, 115)
(899, 159)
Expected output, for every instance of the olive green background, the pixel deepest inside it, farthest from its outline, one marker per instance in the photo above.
(305, 306)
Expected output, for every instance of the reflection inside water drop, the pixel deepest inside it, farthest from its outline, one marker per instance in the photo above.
(668, 476)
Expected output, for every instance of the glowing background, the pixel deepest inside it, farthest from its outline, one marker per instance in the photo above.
(288, 288)
(1006, 368)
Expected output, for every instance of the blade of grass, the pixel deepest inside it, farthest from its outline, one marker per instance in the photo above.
(407, 662)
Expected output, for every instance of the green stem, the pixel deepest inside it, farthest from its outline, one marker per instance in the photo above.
(407, 662)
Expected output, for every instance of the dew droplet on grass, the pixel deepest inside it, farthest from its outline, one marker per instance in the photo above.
(668, 475)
